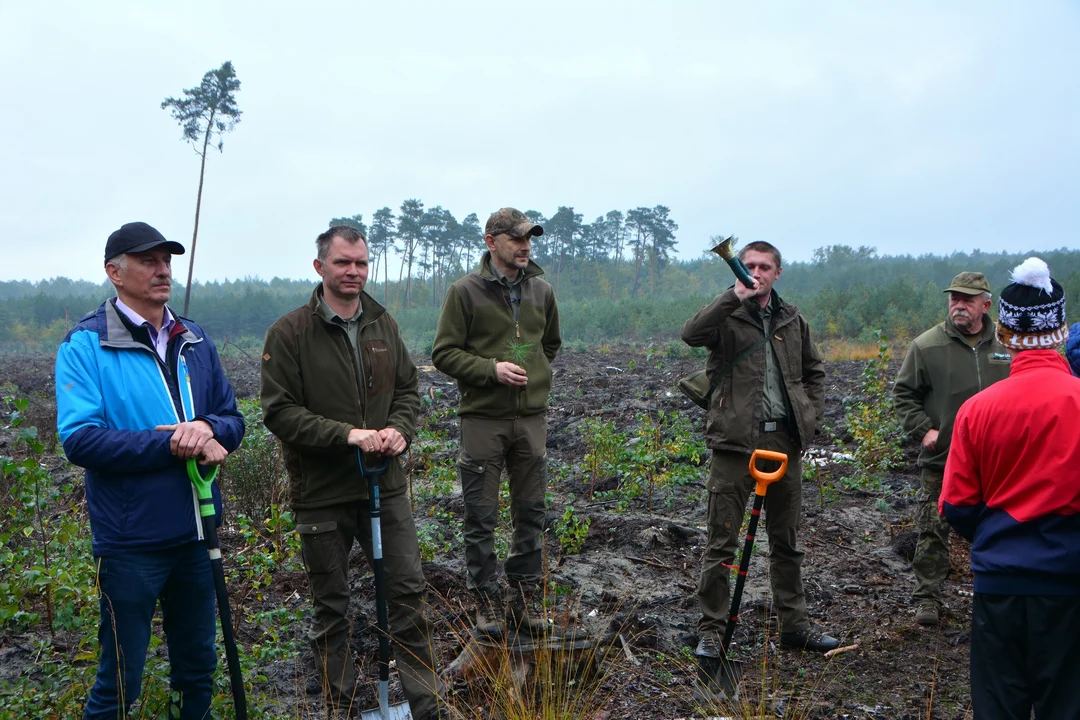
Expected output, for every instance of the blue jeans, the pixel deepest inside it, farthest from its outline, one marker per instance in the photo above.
(131, 585)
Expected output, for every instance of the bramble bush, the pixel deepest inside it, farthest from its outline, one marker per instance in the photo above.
(871, 420)
(430, 465)
(253, 480)
(664, 451)
(572, 530)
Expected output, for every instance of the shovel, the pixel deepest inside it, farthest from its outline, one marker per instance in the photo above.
(385, 711)
(724, 671)
(206, 510)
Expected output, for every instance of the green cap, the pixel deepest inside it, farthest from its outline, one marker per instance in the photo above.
(512, 222)
(969, 283)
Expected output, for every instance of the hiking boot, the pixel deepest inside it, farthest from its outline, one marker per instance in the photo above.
(522, 619)
(809, 640)
(708, 645)
(489, 612)
(928, 615)
(489, 607)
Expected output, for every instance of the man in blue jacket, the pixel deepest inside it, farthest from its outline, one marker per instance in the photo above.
(139, 392)
(1072, 349)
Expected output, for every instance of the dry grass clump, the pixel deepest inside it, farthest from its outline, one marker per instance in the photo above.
(839, 350)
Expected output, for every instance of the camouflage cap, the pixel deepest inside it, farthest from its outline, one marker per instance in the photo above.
(969, 283)
(512, 222)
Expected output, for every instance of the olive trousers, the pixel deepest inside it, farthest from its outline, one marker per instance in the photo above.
(730, 486)
(327, 536)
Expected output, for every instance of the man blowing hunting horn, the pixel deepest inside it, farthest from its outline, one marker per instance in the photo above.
(755, 341)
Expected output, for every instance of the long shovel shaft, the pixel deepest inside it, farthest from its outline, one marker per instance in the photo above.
(744, 567)
(380, 597)
(372, 474)
(763, 480)
(232, 656)
(203, 487)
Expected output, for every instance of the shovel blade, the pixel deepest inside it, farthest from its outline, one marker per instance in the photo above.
(397, 711)
(719, 676)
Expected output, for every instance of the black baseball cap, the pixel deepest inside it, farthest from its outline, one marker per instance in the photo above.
(137, 237)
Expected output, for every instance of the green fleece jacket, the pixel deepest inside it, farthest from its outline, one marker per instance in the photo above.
(477, 329)
(728, 327)
(939, 373)
(313, 394)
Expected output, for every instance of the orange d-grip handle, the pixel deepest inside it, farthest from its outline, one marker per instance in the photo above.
(764, 479)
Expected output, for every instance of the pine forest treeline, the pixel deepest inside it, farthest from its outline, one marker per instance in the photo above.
(432, 248)
(616, 277)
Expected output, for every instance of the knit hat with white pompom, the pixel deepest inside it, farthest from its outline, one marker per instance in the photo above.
(1031, 311)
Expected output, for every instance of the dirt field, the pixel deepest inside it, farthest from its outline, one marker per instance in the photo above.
(637, 573)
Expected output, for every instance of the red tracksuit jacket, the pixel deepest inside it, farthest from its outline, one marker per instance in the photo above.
(1012, 480)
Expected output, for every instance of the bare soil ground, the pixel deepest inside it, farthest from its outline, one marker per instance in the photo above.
(636, 575)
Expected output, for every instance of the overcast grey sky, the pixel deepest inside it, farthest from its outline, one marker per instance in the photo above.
(914, 127)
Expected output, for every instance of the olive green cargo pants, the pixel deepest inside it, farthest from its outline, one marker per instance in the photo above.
(730, 486)
(327, 536)
(931, 561)
(487, 446)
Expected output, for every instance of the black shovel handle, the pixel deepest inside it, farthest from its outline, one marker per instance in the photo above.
(206, 509)
(372, 473)
(236, 678)
(744, 566)
(763, 480)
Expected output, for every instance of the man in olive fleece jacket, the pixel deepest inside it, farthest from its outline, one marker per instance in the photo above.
(497, 336)
(337, 378)
(943, 367)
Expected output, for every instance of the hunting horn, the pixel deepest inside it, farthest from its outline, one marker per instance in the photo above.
(726, 250)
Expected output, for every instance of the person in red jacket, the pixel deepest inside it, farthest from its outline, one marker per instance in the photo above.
(1012, 487)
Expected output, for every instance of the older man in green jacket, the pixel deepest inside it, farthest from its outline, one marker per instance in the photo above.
(336, 377)
(770, 395)
(944, 367)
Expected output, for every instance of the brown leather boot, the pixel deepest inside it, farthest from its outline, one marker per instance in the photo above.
(522, 617)
(489, 611)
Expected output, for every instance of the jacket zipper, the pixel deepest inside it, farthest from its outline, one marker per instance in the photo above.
(168, 392)
(978, 370)
(187, 378)
(515, 397)
(366, 378)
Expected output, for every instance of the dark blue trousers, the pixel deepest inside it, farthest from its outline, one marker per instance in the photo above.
(131, 586)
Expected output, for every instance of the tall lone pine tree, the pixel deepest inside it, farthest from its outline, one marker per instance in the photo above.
(204, 112)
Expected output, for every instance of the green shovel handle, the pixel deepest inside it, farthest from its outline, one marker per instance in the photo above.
(202, 486)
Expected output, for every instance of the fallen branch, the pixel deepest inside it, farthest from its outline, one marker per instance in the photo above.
(822, 543)
(837, 651)
(645, 561)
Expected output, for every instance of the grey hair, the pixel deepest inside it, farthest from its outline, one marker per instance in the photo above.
(347, 233)
(119, 261)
